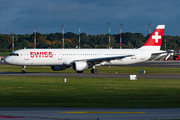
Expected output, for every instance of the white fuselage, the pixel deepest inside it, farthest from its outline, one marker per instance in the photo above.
(82, 59)
(51, 57)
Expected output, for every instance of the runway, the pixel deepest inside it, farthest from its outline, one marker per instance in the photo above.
(90, 113)
(89, 75)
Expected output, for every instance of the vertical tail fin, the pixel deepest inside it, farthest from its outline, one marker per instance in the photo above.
(155, 39)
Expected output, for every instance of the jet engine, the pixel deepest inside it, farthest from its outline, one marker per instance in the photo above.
(80, 66)
(58, 67)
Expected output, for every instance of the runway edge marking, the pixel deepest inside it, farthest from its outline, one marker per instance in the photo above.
(81, 112)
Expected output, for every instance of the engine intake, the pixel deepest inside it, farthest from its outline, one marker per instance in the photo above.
(80, 66)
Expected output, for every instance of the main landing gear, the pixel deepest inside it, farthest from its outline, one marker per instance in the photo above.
(79, 71)
(23, 70)
(94, 70)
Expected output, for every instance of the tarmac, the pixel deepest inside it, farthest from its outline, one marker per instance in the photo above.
(90, 75)
(90, 113)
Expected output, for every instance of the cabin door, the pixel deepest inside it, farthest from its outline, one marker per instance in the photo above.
(26, 55)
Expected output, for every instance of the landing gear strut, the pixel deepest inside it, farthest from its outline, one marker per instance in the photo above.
(23, 70)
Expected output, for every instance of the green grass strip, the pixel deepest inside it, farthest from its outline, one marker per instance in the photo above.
(4, 53)
(102, 69)
(88, 92)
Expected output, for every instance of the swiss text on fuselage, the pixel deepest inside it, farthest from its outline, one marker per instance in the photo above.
(41, 54)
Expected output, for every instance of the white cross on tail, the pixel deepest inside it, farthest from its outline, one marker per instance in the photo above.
(156, 37)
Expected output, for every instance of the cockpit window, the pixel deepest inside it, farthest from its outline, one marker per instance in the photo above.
(14, 54)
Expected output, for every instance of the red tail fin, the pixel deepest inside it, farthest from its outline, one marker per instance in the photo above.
(155, 39)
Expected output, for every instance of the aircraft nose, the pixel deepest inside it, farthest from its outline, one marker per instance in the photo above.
(7, 60)
(10, 60)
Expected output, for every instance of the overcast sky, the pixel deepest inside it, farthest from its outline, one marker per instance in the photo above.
(20, 16)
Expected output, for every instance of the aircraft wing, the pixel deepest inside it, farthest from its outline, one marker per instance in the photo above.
(94, 61)
(158, 53)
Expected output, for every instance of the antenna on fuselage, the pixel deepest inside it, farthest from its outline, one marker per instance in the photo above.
(76, 47)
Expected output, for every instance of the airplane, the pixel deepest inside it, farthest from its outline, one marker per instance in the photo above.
(83, 59)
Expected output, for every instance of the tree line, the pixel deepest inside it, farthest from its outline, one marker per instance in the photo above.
(71, 40)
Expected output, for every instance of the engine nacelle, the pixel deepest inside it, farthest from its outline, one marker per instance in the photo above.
(80, 66)
(58, 67)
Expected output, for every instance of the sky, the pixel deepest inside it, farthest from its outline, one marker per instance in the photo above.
(20, 16)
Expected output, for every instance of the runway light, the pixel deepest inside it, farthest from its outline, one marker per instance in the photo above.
(64, 79)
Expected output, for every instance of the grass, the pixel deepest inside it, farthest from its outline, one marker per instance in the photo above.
(4, 53)
(103, 69)
(21, 91)
(88, 92)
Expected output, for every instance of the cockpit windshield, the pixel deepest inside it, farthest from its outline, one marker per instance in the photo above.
(14, 54)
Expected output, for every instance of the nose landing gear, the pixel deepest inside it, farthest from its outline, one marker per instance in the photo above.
(23, 70)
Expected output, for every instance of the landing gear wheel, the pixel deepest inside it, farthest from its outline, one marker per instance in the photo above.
(23, 71)
(95, 71)
(79, 71)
